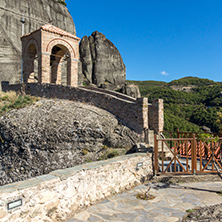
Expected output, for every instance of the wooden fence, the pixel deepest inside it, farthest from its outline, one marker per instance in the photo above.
(188, 155)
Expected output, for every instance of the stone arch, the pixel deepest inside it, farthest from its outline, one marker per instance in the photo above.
(60, 63)
(61, 42)
(31, 72)
(31, 41)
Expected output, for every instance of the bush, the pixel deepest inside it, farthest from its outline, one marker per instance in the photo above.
(62, 2)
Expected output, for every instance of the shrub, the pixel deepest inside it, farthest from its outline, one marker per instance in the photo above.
(62, 2)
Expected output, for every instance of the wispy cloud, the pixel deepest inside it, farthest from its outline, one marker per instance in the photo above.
(164, 73)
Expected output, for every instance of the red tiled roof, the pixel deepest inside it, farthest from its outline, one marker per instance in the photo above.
(54, 29)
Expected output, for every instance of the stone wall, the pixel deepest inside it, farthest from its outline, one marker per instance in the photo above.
(58, 195)
(156, 115)
(133, 113)
(136, 113)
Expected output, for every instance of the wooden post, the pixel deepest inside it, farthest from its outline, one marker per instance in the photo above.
(155, 155)
(212, 150)
(194, 155)
(178, 133)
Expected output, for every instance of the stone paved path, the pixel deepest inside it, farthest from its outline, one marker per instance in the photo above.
(170, 204)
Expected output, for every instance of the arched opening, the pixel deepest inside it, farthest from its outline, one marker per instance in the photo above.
(31, 65)
(60, 63)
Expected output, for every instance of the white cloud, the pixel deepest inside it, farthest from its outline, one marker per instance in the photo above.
(164, 73)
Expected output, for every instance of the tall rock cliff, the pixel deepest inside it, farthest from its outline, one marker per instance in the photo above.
(36, 13)
(101, 63)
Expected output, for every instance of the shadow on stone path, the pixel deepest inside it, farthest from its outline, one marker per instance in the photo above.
(171, 203)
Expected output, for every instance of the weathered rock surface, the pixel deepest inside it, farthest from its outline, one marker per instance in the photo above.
(36, 14)
(131, 90)
(205, 214)
(55, 134)
(101, 62)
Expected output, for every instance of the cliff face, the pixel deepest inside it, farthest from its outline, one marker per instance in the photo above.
(36, 14)
(101, 62)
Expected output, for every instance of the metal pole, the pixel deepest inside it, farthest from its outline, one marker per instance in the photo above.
(23, 27)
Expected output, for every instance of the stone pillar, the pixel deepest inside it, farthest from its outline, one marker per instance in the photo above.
(28, 68)
(74, 73)
(45, 68)
(156, 115)
(141, 114)
(145, 112)
(59, 73)
(39, 68)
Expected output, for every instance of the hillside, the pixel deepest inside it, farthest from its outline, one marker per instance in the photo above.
(189, 102)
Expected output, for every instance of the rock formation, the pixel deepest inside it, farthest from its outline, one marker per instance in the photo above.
(36, 13)
(55, 134)
(101, 62)
(131, 90)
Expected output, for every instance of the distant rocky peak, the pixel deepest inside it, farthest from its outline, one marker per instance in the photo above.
(101, 63)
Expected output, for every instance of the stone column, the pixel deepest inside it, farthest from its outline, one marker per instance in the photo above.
(28, 68)
(142, 114)
(45, 68)
(59, 73)
(74, 73)
(157, 115)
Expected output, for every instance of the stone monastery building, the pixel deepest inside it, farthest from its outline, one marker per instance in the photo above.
(51, 53)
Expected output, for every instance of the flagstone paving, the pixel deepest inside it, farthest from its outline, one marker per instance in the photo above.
(171, 203)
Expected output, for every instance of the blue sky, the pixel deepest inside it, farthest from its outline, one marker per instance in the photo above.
(160, 39)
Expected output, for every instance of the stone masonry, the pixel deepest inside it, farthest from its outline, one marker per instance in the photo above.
(156, 115)
(135, 113)
(44, 51)
(60, 194)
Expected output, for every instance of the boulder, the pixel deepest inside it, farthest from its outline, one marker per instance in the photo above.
(101, 62)
(56, 134)
(131, 90)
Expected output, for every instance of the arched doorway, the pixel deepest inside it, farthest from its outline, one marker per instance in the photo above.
(55, 51)
(60, 63)
(31, 69)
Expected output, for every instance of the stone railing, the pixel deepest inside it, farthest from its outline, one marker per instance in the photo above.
(58, 195)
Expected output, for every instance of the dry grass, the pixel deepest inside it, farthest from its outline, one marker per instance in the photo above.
(145, 194)
(12, 100)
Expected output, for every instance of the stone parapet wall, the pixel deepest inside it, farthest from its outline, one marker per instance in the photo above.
(58, 195)
(136, 113)
(114, 93)
(132, 113)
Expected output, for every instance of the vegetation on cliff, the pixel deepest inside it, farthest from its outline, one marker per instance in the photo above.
(189, 103)
(62, 2)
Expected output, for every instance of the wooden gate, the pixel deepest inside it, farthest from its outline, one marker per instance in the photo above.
(187, 156)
